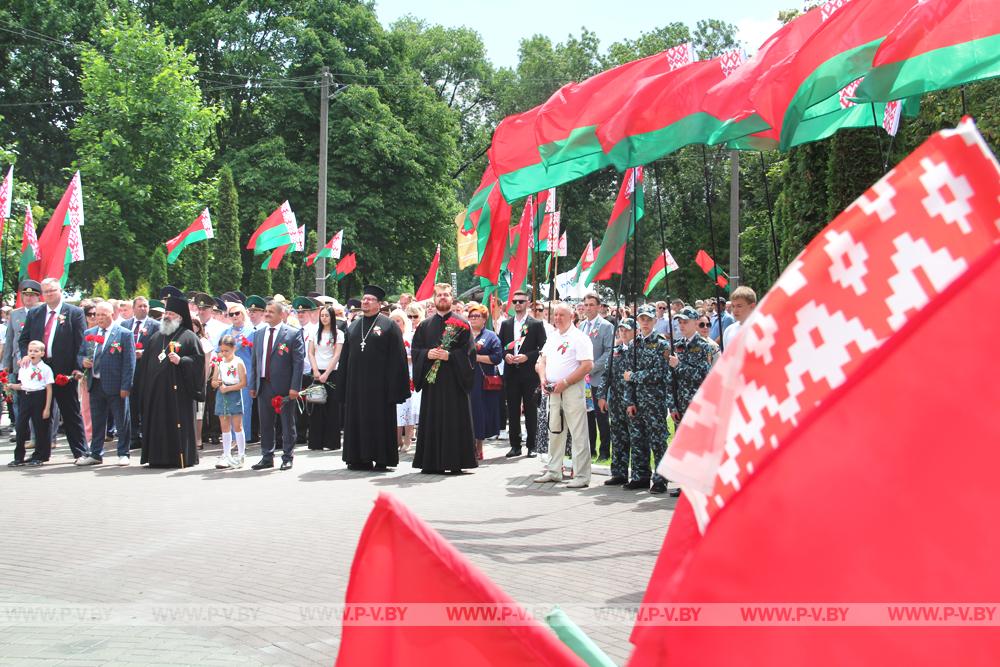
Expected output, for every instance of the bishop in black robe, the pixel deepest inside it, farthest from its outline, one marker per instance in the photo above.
(445, 440)
(167, 393)
(374, 377)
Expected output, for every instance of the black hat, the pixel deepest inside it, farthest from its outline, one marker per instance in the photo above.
(255, 302)
(203, 300)
(233, 297)
(220, 304)
(375, 291)
(30, 287)
(171, 291)
(180, 306)
(353, 303)
(241, 295)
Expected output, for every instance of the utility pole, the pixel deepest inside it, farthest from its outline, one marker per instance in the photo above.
(734, 219)
(324, 114)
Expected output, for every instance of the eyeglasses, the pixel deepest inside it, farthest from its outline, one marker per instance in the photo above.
(702, 325)
(539, 310)
(234, 313)
(519, 301)
(414, 317)
(90, 313)
(476, 315)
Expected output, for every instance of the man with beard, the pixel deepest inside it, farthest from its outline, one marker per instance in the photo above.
(445, 440)
(375, 378)
(169, 379)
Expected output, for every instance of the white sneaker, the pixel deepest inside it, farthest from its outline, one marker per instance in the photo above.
(124, 460)
(238, 463)
(548, 477)
(578, 484)
(224, 463)
(86, 461)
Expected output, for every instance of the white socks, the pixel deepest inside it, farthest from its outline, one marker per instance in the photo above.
(241, 443)
(227, 444)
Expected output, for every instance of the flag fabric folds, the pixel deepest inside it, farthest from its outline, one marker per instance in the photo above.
(519, 263)
(30, 252)
(344, 267)
(401, 560)
(276, 230)
(936, 45)
(199, 230)
(610, 259)
(707, 264)
(61, 242)
(841, 331)
(662, 265)
(426, 289)
(331, 250)
(489, 214)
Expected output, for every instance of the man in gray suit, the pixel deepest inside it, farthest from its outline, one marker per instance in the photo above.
(31, 293)
(110, 361)
(278, 353)
(602, 335)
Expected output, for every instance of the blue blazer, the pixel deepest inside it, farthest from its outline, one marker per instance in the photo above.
(146, 331)
(286, 363)
(115, 366)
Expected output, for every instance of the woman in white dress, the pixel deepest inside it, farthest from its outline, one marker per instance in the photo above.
(407, 412)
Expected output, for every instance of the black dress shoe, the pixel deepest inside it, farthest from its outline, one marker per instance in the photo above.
(432, 472)
(658, 487)
(675, 493)
(380, 468)
(34, 463)
(262, 464)
(359, 466)
(285, 465)
(615, 481)
(637, 484)
(514, 451)
(531, 453)
(15, 464)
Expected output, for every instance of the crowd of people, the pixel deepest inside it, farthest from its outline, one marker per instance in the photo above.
(370, 378)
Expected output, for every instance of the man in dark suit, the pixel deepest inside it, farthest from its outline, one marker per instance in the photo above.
(278, 353)
(60, 327)
(142, 327)
(111, 361)
(522, 338)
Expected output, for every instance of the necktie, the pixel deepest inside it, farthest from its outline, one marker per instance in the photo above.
(48, 331)
(270, 342)
(98, 352)
(135, 331)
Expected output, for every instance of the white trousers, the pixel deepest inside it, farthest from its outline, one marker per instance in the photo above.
(568, 414)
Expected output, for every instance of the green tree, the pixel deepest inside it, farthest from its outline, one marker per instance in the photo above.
(283, 278)
(141, 141)
(158, 269)
(306, 273)
(142, 288)
(116, 284)
(227, 269)
(260, 282)
(101, 289)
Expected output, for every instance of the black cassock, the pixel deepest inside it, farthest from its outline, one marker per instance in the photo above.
(374, 379)
(167, 395)
(445, 440)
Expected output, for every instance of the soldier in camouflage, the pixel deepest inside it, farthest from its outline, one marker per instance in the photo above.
(646, 394)
(611, 397)
(690, 363)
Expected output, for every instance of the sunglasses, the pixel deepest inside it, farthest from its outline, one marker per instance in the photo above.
(233, 314)
(702, 325)
(414, 317)
(519, 301)
(90, 313)
(539, 310)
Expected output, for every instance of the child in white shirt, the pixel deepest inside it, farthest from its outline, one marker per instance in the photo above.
(34, 386)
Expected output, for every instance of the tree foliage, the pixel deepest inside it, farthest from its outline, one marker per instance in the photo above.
(227, 268)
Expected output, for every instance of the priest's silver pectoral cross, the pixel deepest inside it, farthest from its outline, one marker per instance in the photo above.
(362, 346)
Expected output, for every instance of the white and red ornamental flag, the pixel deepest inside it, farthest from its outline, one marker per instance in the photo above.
(805, 454)
(553, 232)
(563, 246)
(75, 220)
(6, 194)
(336, 244)
(300, 238)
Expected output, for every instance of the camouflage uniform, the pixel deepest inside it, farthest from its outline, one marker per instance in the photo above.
(613, 390)
(714, 353)
(695, 356)
(647, 390)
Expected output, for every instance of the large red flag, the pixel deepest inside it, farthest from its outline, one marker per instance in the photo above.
(489, 212)
(401, 561)
(426, 289)
(784, 428)
(519, 263)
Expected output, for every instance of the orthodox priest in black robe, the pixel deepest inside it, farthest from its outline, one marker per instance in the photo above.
(445, 440)
(374, 377)
(169, 379)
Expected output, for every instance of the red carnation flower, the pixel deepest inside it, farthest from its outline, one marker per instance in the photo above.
(89, 338)
(138, 346)
(3, 377)
(62, 380)
(246, 342)
(277, 402)
(99, 340)
(455, 322)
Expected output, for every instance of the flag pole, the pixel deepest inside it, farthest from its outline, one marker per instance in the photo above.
(533, 249)
(711, 235)
(878, 137)
(635, 244)
(666, 275)
(770, 219)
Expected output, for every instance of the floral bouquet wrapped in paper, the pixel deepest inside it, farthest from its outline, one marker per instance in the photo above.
(452, 328)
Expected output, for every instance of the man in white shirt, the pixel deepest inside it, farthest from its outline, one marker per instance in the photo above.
(743, 300)
(566, 359)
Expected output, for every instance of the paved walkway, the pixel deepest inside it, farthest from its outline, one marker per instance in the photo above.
(75, 543)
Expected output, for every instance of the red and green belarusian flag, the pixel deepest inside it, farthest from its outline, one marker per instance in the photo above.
(30, 253)
(344, 267)
(664, 113)
(621, 225)
(6, 194)
(426, 289)
(519, 263)
(489, 214)
(296, 243)
(838, 52)
(586, 258)
(546, 222)
(708, 265)
(277, 230)
(61, 242)
(936, 45)
(662, 265)
(199, 230)
(331, 250)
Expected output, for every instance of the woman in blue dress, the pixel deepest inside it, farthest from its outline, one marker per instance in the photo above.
(485, 404)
